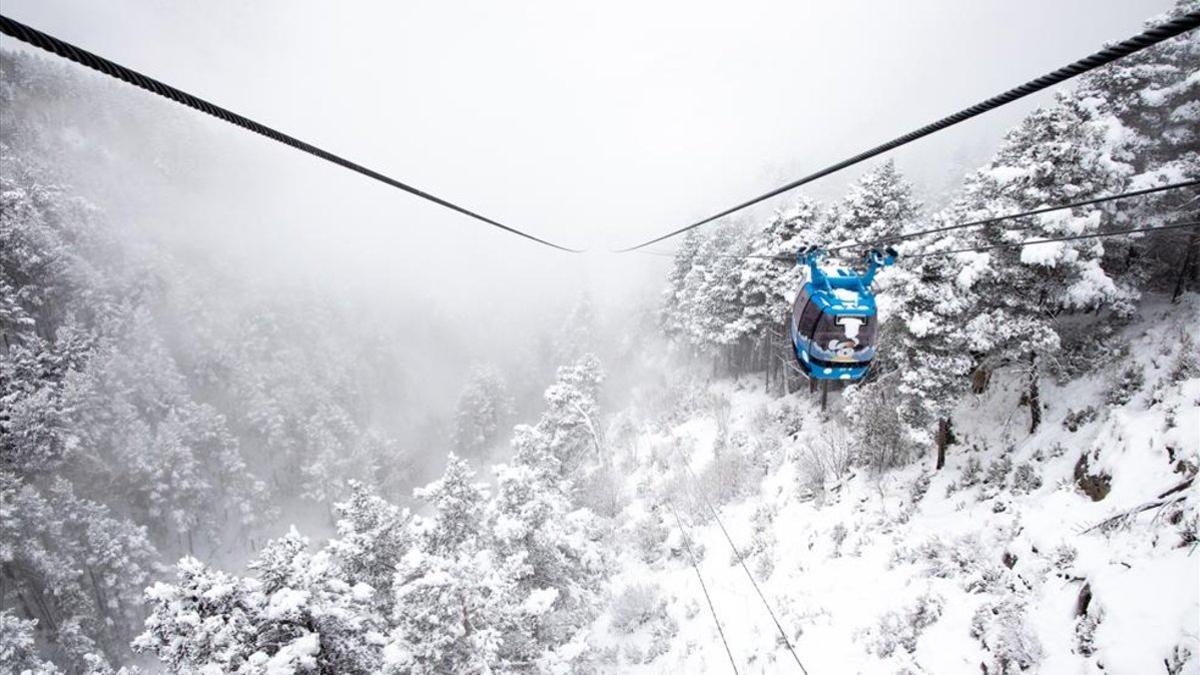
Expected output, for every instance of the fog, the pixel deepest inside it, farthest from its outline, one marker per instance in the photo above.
(595, 126)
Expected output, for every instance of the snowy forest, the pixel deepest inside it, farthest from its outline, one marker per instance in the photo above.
(204, 470)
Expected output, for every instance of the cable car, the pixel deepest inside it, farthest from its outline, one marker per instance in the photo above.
(834, 321)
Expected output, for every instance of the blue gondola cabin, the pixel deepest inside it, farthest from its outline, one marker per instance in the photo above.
(834, 320)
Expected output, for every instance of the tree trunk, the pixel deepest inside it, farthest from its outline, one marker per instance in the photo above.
(1035, 398)
(1189, 254)
(943, 439)
(767, 363)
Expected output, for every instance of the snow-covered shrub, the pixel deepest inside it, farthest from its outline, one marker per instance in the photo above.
(1025, 478)
(987, 577)
(1087, 346)
(1126, 385)
(1187, 360)
(601, 491)
(789, 420)
(1189, 531)
(1062, 557)
(635, 606)
(1085, 631)
(901, 629)
(825, 459)
(838, 535)
(1179, 658)
(1075, 419)
(998, 470)
(686, 396)
(649, 535)
(731, 474)
(946, 559)
(762, 542)
(1008, 638)
(972, 472)
(919, 487)
(880, 435)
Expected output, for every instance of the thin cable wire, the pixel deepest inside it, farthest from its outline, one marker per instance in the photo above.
(692, 556)
(1035, 242)
(69, 51)
(1150, 37)
(742, 561)
(887, 241)
(977, 249)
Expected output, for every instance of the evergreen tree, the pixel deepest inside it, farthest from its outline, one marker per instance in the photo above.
(1056, 155)
(924, 341)
(769, 281)
(711, 302)
(483, 408)
(1147, 105)
(879, 205)
(675, 299)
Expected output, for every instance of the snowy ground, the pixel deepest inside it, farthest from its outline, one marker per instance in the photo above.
(983, 563)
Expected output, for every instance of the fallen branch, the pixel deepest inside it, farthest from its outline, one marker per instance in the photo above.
(1164, 499)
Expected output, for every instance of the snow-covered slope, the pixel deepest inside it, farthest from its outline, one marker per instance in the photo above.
(1002, 561)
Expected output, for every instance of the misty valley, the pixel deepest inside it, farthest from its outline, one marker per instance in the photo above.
(883, 428)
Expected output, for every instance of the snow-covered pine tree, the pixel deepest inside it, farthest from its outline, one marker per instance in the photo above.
(578, 334)
(483, 409)
(550, 551)
(372, 536)
(18, 650)
(299, 615)
(767, 286)
(74, 568)
(1148, 107)
(880, 204)
(459, 504)
(1057, 154)
(711, 300)
(569, 431)
(675, 298)
(450, 603)
(923, 339)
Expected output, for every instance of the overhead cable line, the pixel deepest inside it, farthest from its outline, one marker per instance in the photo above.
(69, 51)
(1135, 44)
(1035, 242)
(687, 544)
(888, 241)
(742, 561)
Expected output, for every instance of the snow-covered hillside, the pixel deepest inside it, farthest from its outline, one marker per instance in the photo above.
(1067, 550)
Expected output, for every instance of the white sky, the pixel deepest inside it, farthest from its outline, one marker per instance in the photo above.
(594, 124)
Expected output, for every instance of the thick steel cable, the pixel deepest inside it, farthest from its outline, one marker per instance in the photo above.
(887, 241)
(742, 561)
(1135, 44)
(1035, 242)
(69, 51)
(696, 566)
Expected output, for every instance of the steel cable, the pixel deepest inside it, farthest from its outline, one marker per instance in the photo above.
(1150, 37)
(83, 57)
(687, 544)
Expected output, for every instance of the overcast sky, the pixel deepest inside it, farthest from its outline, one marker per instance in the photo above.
(596, 124)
